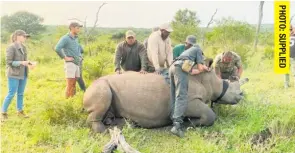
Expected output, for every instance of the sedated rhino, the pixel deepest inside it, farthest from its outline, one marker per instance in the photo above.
(145, 98)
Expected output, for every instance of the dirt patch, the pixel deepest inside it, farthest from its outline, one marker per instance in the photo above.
(262, 137)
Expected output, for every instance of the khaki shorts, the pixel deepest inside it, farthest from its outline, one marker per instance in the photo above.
(72, 70)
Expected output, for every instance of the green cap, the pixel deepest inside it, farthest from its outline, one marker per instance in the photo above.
(130, 33)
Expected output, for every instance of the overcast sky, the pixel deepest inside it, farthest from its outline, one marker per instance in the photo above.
(139, 14)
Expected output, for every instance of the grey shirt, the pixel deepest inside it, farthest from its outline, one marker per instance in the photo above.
(194, 54)
(131, 58)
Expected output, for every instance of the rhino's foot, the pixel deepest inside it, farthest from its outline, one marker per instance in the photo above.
(98, 127)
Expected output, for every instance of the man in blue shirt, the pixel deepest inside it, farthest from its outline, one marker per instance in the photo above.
(68, 48)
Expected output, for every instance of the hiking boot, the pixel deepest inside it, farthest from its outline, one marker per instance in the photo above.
(177, 130)
(286, 85)
(4, 116)
(22, 114)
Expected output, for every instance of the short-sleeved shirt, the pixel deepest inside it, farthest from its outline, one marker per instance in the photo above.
(225, 67)
(194, 54)
(177, 50)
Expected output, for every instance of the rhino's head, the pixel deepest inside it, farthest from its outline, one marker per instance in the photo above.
(231, 92)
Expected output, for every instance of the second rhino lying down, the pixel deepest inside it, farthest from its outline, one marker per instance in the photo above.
(145, 99)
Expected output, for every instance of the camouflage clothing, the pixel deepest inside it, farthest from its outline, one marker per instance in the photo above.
(229, 68)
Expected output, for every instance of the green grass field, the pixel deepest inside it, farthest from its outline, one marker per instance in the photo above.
(57, 126)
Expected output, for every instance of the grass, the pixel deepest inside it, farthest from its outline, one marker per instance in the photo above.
(56, 124)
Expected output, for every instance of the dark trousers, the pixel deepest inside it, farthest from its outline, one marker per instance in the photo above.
(80, 79)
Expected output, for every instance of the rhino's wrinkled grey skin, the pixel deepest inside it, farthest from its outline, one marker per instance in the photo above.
(145, 99)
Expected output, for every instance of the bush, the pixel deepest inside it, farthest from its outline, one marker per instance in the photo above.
(94, 49)
(99, 65)
(268, 52)
(243, 51)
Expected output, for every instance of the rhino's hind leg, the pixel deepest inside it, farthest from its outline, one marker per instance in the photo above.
(201, 115)
(97, 100)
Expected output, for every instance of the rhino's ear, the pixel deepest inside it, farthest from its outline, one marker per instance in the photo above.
(243, 81)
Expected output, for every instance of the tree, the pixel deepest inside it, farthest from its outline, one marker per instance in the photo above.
(89, 32)
(258, 25)
(232, 35)
(118, 36)
(29, 22)
(229, 33)
(185, 23)
(206, 29)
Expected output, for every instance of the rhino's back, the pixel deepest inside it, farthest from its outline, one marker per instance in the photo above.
(143, 98)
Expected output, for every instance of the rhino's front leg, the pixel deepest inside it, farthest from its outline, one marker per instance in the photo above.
(200, 114)
(97, 101)
(96, 125)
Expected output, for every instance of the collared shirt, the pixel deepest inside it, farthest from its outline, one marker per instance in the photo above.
(70, 46)
(194, 54)
(159, 51)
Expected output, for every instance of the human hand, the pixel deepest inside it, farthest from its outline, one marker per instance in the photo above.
(118, 71)
(143, 72)
(25, 63)
(68, 59)
(158, 72)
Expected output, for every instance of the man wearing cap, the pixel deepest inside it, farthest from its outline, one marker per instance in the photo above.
(190, 41)
(159, 49)
(145, 42)
(292, 58)
(179, 85)
(228, 65)
(130, 55)
(68, 48)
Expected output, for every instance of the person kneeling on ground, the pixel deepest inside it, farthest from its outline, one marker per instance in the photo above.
(228, 65)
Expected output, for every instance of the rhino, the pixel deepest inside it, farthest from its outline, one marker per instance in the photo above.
(145, 99)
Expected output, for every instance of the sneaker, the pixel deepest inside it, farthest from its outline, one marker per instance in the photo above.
(4, 116)
(22, 114)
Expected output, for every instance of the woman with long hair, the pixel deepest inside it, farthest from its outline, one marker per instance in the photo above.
(17, 72)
